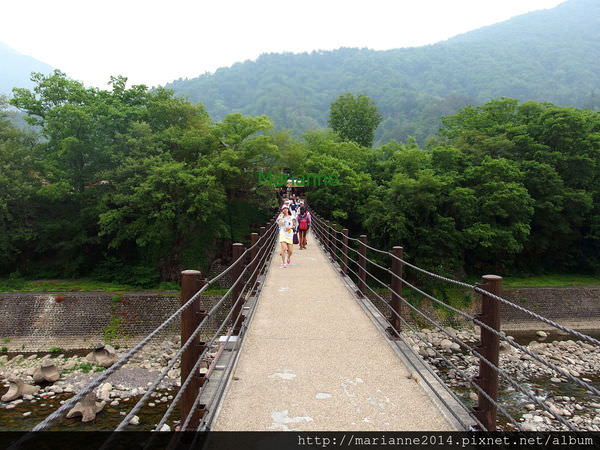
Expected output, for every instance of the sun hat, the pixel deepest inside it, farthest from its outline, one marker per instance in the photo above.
(285, 207)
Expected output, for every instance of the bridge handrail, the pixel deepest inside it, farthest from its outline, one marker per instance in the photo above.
(331, 232)
(63, 409)
(215, 307)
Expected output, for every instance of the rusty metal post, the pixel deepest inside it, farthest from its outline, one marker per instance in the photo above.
(191, 282)
(362, 263)
(237, 250)
(396, 287)
(345, 251)
(489, 349)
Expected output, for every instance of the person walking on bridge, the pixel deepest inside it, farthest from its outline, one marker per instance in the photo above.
(287, 224)
(303, 221)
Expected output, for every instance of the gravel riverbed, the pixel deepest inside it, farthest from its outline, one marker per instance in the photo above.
(558, 392)
(128, 383)
(540, 383)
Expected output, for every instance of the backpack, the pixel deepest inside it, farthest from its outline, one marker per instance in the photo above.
(303, 223)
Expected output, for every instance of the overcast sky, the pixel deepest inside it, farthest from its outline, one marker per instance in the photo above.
(154, 42)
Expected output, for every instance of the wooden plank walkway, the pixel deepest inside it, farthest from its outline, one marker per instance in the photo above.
(313, 360)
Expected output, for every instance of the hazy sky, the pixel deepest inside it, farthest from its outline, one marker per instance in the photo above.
(154, 42)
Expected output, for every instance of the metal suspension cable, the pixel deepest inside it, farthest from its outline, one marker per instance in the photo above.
(435, 376)
(568, 330)
(144, 398)
(430, 370)
(450, 363)
(557, 369)
(535, 356)
(117, 365)
(218, 389)
(196, 365)
(482, 291)
(481, 357)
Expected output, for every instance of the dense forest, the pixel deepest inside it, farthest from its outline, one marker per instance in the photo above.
(127, 185)
(133, 185)
(548, 55)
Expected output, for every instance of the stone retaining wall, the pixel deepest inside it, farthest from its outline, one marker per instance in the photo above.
(50, 317)
(53, 317)
(559, 304)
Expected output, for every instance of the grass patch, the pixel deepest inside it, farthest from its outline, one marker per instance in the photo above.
(215, 291)
(552, 280)
(76, 285)
(84, 367)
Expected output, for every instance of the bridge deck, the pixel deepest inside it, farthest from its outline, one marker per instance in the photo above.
(313, 360)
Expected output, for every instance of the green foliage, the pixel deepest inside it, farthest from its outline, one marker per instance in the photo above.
(355, 119)
(78, 285)
(128, 186)
(538, 56)
(497, 191)
(114, 330)
(4, 349)
(84, 367)
(55, 350)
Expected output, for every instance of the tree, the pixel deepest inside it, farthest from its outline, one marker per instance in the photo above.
(355, 119)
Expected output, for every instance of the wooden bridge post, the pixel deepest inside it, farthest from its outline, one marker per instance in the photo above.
(362, 263)
(318, 233)
(263, 230)
(396, 287)
(191, 282)
(345, 251)
(327, 237)
(489, 349)
(254, 258)
(333, 246)
(237, 251)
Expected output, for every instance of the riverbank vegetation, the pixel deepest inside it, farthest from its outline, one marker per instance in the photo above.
(132, 185)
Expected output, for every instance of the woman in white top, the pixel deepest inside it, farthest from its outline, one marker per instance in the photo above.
(287, 225)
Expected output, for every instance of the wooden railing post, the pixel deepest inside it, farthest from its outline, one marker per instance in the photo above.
(396, 288)
(362, 263)
(327, 237)
(237, 251)
(489, 349)
(263, 230)
(254, 258)
(191, 282)
(333, 246)
(345, 251)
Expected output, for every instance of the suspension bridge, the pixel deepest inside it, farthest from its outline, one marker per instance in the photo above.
(325, 345)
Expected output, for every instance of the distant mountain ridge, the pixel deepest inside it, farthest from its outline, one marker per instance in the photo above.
(547, 55)
(16, 69)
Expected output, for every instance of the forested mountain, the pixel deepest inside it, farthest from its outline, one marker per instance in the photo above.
(16, 69)
(548, 55)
